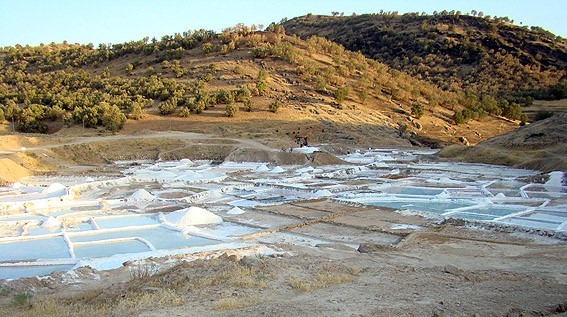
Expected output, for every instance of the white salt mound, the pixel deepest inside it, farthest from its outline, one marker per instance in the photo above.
(55, 188)
(51, 222)
(262, 168)
(235, 211)
(17, 185)
(142, 194)
(186, 161)
(277, 169)
(323, 193)
(305, 170)
(192, 216)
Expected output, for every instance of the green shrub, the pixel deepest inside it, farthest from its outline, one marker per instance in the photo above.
(274, 106)
(113, 119)
(248, 105)
(184, 112)
(224, 97)
(262, 87)
(242, 94)
(136, 111)
(168, 107)
(341, 93)
(231, 109)
(22, 299)
(541, 115)
(417, 110)
(458, 117)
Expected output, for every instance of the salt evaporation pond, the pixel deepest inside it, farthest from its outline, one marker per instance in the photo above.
(46, 226)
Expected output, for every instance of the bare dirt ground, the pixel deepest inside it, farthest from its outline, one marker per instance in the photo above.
(429, 269)
(541, 145)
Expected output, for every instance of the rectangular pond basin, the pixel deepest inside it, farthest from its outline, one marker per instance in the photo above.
(161, 238)
(407, 190)
(113, 222)
(101, 249)
(433, 206)
(29, 271)
(32, 249)
(532, 223)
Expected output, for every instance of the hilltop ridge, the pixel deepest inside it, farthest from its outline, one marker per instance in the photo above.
(485, 56)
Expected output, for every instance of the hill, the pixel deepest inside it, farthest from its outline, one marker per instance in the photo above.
(489, 57)
(541, 145)
(286, 89)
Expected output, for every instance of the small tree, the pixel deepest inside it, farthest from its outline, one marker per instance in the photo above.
(129, 68)
(417, 110)
(136, 111)
(225, 97)
(362, 95)
(458, 117)
(184, 112)
(242, 94)
(248, 104)
(207, 48)
(231, 109)
(261, 87)
(274, 106)
(168, 107)
(113, 119)
(341, 93)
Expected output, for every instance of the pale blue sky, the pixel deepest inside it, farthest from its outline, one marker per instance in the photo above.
(115, 21)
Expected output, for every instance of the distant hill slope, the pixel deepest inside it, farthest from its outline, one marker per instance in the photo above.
(541, 145)
(285, 88)
(481, 55)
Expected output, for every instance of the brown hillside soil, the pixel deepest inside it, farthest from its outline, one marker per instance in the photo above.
(541, 145)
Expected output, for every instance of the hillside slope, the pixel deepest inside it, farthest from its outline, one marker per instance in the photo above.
(286, 89)
(541, 145)
(479, 54)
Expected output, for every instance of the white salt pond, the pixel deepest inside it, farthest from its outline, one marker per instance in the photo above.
(54, 223)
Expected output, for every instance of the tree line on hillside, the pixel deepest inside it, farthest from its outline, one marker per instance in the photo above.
(43, 85)
(479, 54)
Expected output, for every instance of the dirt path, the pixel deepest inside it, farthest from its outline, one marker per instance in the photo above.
(48, 153)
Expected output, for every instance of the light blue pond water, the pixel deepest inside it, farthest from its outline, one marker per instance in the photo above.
(108, 249)
(19, 272)
(22, 217)
(412, 191)
(48, 248)
(433, 206)
(160, 238)
(471, 216)
(496, 211)
(533, 223)
(119, 222)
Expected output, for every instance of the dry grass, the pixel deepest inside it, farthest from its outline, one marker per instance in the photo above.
(244, 277)
(318, 281)
(233, 303)
(234, 275)
(130, 305)
(142, 271)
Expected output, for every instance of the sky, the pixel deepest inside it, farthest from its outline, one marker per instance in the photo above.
(31, 22)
